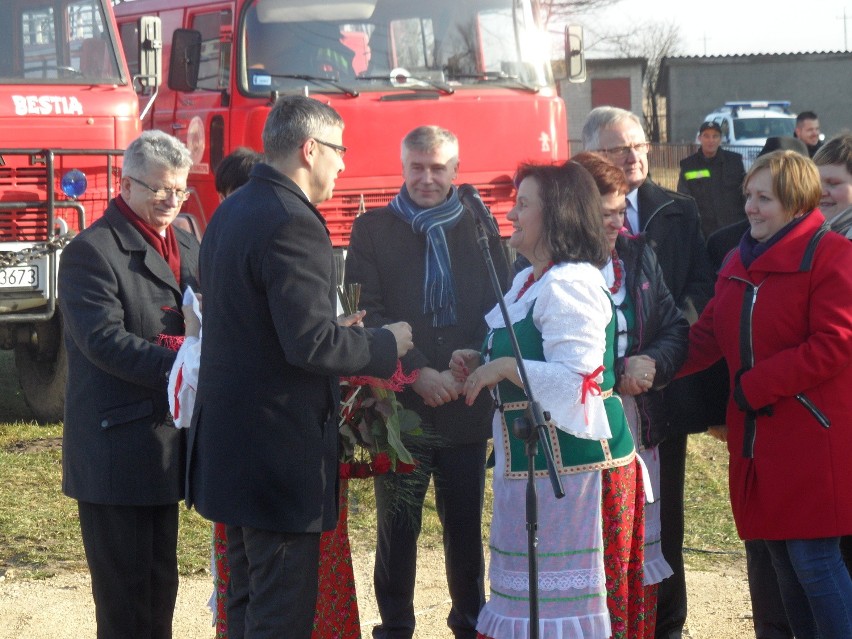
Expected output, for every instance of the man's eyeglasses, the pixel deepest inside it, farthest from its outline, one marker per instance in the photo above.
(341, 150)
(163, 194)
(621, 152)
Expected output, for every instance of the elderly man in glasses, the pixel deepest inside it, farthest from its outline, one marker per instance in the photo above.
(121, 283)
(673, 227)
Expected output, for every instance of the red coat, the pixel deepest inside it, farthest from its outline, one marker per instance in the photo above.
(798, 484)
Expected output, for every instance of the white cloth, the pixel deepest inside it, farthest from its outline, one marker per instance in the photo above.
(572, 311)
(183, 378)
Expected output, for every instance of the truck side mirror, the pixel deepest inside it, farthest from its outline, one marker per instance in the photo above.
(575, 55)
(184, 60)
(150, 52)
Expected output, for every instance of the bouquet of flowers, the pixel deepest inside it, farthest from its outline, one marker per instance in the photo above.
(372, 421)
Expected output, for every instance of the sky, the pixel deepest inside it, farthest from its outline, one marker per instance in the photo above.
(731, 27)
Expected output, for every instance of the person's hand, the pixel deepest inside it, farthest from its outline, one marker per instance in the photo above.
(638, 376)
(436, 388)
(488, 374)
(463, 362)
(402, 334)
(719, 432)
(355, 319)
(191, 321)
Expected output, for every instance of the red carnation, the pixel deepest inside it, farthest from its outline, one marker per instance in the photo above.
(381, 463)
(403, 468)
(345, 470)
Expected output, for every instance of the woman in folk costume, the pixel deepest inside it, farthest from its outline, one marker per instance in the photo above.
(562, 314)
(651, 346)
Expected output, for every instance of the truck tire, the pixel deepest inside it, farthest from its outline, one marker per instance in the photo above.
(42, 372)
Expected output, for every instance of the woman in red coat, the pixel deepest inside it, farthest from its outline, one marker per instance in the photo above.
(782, 318)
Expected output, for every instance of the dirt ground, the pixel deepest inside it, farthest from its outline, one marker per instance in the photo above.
(61, 607)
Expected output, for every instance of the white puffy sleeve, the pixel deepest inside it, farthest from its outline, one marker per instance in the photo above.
(572, 315)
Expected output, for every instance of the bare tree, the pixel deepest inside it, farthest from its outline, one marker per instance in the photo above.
(652, 41)
(564, 11)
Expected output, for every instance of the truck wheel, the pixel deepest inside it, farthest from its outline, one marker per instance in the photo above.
(42, 372)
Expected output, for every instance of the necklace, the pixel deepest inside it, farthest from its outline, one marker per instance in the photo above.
(531, 280)
(618, 269)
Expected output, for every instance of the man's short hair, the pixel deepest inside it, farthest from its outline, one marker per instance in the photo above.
(604, 117)
(428, 138)
(838, 150)
(155, 149)
(292, 120)
(806, 115)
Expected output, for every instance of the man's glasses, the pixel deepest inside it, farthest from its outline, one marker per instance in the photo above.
(341, 150)
(164, 194)
(621, 152)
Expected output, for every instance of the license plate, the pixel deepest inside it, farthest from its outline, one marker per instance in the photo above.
(19, 277)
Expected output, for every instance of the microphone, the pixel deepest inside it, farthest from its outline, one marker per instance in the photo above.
(471, 200)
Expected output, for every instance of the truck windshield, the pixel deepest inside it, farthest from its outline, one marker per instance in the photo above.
(439, 45)
(56, 42)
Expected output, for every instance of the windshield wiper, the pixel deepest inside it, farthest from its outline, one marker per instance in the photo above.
(312, 78)
(443, 87)
(497, 76)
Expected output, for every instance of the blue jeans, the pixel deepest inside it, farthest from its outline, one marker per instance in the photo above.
(815, 587)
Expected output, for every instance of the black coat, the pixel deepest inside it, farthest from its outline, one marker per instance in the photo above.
(660, 331)
(116, 295)
(673, 227)
(387, 258)
(263, 441)
(717, 185)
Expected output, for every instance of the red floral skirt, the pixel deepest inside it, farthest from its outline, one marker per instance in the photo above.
(336, 614)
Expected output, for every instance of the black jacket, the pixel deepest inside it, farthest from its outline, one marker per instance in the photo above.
(672, 224)
(660, 331)
(116, 295)
(387, 258)
(717, 185)
(263, 442)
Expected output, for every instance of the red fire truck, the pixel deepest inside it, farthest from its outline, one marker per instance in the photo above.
(478, 67)
(67, 109)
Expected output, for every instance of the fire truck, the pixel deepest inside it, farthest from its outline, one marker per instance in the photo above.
(477, 67)
(67, 109)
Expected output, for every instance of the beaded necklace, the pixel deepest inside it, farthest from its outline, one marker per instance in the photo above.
(618, 270)
(532, 280)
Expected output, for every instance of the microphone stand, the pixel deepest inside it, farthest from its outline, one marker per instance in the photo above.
(532, 429)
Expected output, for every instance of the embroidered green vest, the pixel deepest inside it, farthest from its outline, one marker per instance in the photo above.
(571, 454)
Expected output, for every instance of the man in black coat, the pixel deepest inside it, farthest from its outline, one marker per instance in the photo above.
(418, 260)
(263, 445)
(714, 178)
(673, 227)
(120, 290)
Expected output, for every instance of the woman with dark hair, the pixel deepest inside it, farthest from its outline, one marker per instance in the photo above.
(781, 320)
(651, 346)
(562, 314)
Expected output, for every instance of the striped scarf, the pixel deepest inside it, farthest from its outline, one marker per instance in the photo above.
(439, 295)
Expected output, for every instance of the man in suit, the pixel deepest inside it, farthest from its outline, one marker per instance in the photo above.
(673, 227)
(120, 289)
(417, 261)
(263, 454)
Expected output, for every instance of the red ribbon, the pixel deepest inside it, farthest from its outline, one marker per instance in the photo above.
(590, 388)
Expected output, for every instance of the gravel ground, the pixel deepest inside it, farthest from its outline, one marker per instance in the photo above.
(61, 606)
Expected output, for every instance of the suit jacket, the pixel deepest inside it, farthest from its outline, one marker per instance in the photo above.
(116, 295)
(263, 442)
(388, 259)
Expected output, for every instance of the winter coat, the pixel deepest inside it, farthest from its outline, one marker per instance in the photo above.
(784, 325)
(660, 331)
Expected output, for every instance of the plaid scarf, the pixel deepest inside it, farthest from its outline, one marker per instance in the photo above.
(439, 295)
